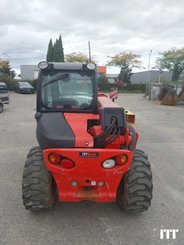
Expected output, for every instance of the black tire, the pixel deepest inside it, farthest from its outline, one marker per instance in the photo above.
(37, 182)
(139, 153)
(135, 191)
(1, 107)
(33, 150)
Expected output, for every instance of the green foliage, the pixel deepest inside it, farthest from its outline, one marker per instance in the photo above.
(126, 61)
(172, 60)
(50, 51)
(55, 51)
(129, 88)
(76, 57)
(9, 82)
(12, 74)
(102, 79)
(125, 74)
(58, 54)
(4, 68)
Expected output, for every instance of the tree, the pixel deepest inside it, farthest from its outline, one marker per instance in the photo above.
(173, 60)
(5, 67)
(125, 74)
(126, 61)
(102, 79)
(58, 54)
(76, 57)
(50, 51)
(12, 74)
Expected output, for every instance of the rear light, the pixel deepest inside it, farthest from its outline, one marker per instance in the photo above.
(109, 163)
(54, 158)
(121, 159)
(67, 163)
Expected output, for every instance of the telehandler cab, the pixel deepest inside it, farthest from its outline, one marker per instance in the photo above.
(87, 145)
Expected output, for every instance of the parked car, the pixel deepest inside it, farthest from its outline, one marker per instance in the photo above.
(24, 88)
(4, 95)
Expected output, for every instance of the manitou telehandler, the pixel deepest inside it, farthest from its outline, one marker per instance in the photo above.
(87, 145)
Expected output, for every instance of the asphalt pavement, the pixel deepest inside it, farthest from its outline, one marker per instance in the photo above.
(161, 136)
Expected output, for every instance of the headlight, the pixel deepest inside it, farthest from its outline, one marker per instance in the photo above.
(109, 163)
(91, 66)
(43, 65)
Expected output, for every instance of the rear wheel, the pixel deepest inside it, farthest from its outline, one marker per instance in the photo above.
(37, 186)
(33, 150)
(1, 107)
(135, 190)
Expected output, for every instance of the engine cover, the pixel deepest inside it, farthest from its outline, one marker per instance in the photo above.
(107, 110)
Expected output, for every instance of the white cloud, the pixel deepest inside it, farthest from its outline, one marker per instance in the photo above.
(112, 27)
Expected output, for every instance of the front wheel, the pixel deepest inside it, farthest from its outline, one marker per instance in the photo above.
(135, 190)
(1, 107)
(37, 186)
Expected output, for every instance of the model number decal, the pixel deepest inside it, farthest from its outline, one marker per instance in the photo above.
(89, 154)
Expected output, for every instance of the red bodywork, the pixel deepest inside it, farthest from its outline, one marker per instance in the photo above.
(88, 170)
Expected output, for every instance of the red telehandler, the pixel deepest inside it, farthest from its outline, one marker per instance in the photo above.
(87, 145)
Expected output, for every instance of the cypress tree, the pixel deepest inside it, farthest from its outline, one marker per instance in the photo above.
(50, 51)
(55, 50)
(58, 54)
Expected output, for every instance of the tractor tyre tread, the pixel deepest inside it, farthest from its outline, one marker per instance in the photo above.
(137, 185)
(36, 182)
(33, 150)
(139, 153)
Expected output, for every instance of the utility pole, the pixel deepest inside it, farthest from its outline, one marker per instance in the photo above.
(89, 48)
(148, 77)
(9, 58)
(149, 59)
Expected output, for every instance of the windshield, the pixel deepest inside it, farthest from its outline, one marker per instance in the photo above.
(3, 89)
(25, 85)
(69, 90)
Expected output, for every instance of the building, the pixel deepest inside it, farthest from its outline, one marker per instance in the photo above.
(102, 70)
(151, 76)
(112, 77)
(29, 72)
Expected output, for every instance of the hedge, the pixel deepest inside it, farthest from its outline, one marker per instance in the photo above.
(12, 82)
(131, 88)
(106, 87)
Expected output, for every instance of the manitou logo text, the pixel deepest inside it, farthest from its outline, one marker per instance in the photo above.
(89, 154)
(168, 233)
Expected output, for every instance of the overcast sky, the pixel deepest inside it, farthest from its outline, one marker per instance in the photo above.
(112, 26)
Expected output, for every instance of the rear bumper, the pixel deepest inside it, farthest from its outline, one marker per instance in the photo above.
(88, 172)
(26, 92)
(4, 99)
